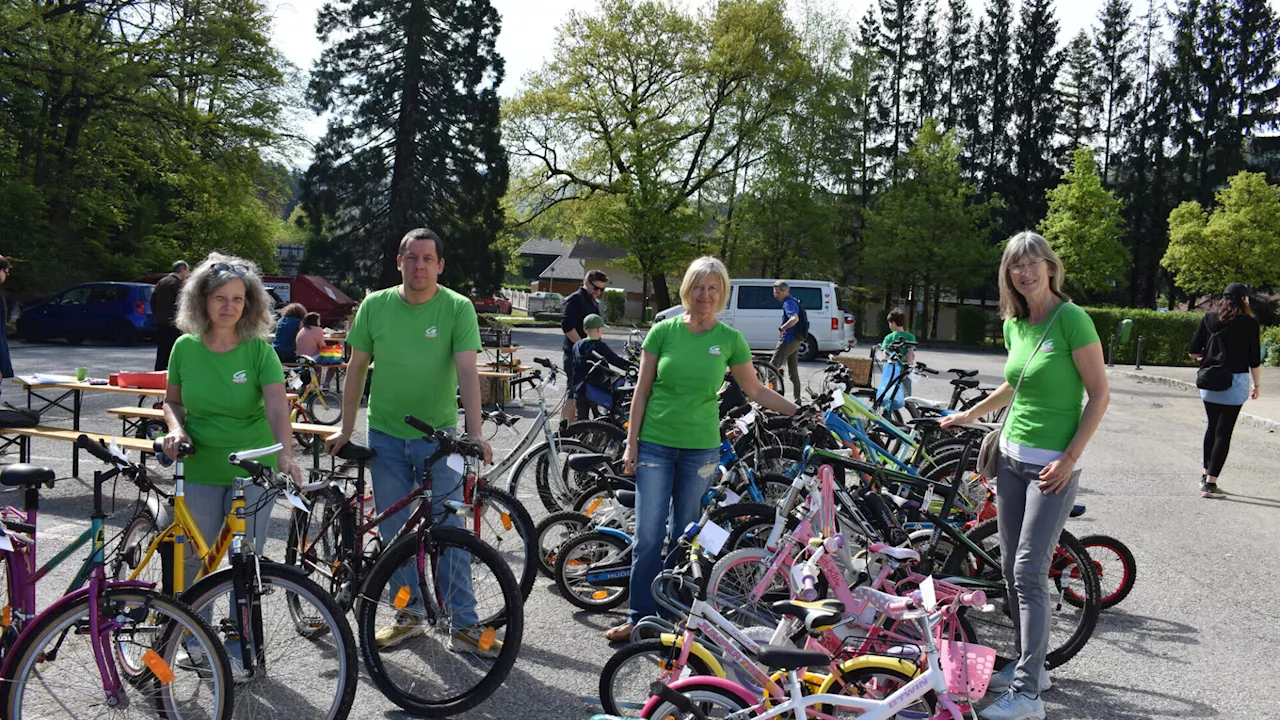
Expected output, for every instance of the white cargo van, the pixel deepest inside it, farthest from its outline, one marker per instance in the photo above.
(753, 312)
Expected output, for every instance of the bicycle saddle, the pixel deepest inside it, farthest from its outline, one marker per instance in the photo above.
(963, 373)
(967, 383)
(1077, 510)
(627, 498)
(897, 553)
(790, 659)
(582, 462)
(356, 453)
(305, 359)
(818, 616)
(26, 475)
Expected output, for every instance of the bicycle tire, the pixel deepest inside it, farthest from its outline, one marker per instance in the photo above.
(552, 533)
(707, 697)
(136, 539)
(531, 471)
(327, 559)
(571, 565)
(1101, 548)
(522, 555)
(58, 627)
(328, 411)
(616, 669)
(733, 605)
(862, 681)
(770, 376)
(327, 621)
(603, 437)
(1080, 630)
(510, 617)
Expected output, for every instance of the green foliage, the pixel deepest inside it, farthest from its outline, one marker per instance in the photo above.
(1085, 227)
(971, 325)
(1271, 339)
(615, 305)
(1239, 241)
(1165, 335)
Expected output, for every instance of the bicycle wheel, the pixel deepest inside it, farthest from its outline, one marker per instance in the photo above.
(1115, 565)
(324, 406)
(731, 584)
(1070, 625)
(306, 441)
(592, 550)
(540, 469)
(603, 437)
(552, 533)
(625, 679)
(876, 683)
(769, 376)
(303, 673)
(505, 525)
(319, 545)
(425, 662)
(136, 539)
(713, 701)
(54, 668)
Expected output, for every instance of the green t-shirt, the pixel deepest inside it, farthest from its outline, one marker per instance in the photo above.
(1046, 411)
(413, 348)
(894, 337)
(683, 410)
(222, 394)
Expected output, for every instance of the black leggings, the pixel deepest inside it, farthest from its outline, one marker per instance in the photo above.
(1217, 437)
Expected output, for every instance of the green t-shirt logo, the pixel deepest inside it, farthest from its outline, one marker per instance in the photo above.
(1047, 346)
(714, 350)
(432, 331)
(241, 377)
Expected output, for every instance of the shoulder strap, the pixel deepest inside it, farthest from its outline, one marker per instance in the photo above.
(1028, 363)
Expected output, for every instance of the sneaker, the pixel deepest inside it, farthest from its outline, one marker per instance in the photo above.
(1002, 680)
(1209, 490)
(477, 641)
(405, 627)
(1014, 706)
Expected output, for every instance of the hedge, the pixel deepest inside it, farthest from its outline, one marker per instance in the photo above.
(971, 325)
(615, 305)
(1271, 339)
(1165, 335)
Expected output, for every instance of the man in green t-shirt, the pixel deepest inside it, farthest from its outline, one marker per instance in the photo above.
(425, 337)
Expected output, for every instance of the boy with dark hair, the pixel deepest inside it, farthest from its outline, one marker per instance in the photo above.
(587, 351)
(904, 358)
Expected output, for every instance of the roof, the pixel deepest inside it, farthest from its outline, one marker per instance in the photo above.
(544, 246)
(589, 249)
(564, 268)
(323, 285)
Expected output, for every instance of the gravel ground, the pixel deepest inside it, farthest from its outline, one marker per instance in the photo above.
(1189, 618)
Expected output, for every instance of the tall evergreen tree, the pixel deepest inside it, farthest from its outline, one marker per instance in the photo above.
(1036, 108)
(1115, 46)
(868, 59)
(929, 70)
(897, 46)
(1253, 70)
(1081, 95)
(1214, 144)
(1179, 82)
(992, 130)
(411, 88)
(957, 66)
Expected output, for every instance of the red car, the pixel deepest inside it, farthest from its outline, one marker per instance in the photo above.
(496, 304)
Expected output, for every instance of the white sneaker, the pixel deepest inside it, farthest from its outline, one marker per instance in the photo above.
(1014, 706)
(1003, 680)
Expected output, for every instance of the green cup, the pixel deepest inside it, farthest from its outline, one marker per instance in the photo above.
(81, 374)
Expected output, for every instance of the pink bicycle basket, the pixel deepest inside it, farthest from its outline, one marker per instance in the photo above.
(967, 667)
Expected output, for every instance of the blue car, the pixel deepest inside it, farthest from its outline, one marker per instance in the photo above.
(115, 311)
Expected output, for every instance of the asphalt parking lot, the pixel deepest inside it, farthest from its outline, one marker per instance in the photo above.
(1189, 642)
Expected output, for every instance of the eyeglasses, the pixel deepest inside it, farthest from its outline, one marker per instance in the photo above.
(239, 270)
(597, 288)
(1026, 267)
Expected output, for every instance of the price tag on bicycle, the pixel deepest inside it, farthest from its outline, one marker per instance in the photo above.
(457, 463)
(712, 538)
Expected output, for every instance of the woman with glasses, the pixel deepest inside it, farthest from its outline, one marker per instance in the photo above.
(226, 392)
(584, 302)
(1055, 358)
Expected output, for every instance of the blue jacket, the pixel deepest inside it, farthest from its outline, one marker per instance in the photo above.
(583, 350)
(790, 308)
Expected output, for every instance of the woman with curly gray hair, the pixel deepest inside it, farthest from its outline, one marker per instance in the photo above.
(226, 392)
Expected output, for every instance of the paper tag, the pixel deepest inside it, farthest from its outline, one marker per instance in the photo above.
(5, 543)
(296, 501)
(712, 538)
(929, 594)
(117, 451)
(457, 463)
(837, 399)
(296, 384)
(916, 377)
(552, 387)
(731, 497)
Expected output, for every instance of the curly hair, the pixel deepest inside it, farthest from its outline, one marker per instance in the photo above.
(193, 313)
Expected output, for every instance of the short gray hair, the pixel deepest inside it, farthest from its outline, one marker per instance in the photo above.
(781, 285)
(180, 265)
(193, 311)
(1027, 244)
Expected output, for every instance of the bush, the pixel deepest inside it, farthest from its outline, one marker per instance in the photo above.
(1166, 335)
(971, 325)
(615, 306)
(1271, 345)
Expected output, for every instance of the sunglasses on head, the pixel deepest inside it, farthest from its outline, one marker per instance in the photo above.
(240, 270)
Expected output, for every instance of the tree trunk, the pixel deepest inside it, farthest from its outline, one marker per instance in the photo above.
(937, 308)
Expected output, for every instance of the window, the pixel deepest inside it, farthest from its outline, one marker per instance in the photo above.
(108, 294)
(75, 296)
(760, 297)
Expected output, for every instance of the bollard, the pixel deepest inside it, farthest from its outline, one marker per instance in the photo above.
(1138, 359)
(1111, 351)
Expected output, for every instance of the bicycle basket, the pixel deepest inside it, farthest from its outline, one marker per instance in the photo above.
(859, 369)
(967, 667)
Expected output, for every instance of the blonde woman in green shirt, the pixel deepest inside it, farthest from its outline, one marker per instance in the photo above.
(674, 431)
(226, 393)
(1047, 430)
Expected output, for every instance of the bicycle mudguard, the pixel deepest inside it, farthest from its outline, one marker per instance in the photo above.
(214, 577)
(905, 667)
(728, 686)
(698, 650)
(159, 511)
(57, 607)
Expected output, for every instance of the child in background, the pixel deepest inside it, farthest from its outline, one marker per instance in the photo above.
(904, 358)
(587, 350)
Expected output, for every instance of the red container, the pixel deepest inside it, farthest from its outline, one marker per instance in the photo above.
(156, 380)
(113, 379)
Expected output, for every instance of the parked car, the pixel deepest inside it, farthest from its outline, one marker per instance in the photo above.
(496, 303)
(546, 305)
(753, 312)
(116, 311)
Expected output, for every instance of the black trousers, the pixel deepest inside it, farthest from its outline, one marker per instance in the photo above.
(165, 336)
(1217, 436)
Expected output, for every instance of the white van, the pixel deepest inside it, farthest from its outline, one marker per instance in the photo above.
(753, 312)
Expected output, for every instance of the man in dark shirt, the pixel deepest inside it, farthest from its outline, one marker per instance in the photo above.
(787, 351)
(584, 302)
(164, 308)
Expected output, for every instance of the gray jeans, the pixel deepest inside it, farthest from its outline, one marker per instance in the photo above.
(1030, 523)
(209, 505)
(790, 354)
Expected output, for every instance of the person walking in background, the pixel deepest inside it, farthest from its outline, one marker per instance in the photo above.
(1228, 346)
(584, 302)
(1055, 357)
(904, 358)
(286, 338)
(788, 348)
(164, 308)
(6, 363)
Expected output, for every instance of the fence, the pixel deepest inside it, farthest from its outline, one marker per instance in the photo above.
(519, 299)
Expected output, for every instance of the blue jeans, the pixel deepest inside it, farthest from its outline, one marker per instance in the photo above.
(670, 483)
(396, 471)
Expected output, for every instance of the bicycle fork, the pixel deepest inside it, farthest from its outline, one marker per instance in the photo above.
(247, 610)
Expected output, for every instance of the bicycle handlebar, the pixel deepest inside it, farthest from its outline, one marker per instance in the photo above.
(184, 449)
(97, 449)
(448, 445)
(239, 456)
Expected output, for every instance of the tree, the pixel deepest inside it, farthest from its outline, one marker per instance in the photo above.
(1085, 227)
(1239, 241)
(1036, 107)
(639, 109)
(991, 136)
(929, 71)
(897, 50)
(1081, 96)
(411, 89)
(1114, 44)
(1253, 71)
(959, 98)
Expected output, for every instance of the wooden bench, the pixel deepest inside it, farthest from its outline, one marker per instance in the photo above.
(44, 432)
(132, 418)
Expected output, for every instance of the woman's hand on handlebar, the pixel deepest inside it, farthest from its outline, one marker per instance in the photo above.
(953, 420)
(173, 441)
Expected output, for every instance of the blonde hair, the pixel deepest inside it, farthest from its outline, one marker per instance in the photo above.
(699, 269)
(1027, 244)
(193, 309)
